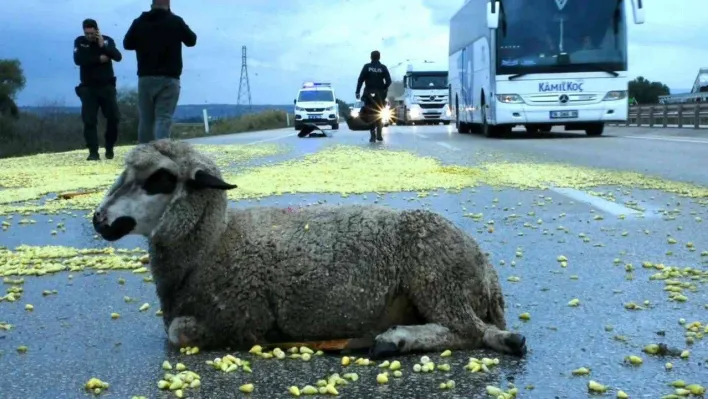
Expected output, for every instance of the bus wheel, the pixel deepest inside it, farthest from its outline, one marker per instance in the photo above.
(486, 130)
(595, 130)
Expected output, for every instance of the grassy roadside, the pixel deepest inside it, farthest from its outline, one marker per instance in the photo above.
(57, 132)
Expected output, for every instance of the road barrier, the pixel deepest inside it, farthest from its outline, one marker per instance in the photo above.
(668, 115)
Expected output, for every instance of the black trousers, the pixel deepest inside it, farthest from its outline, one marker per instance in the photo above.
(372, 105)
(93, 98)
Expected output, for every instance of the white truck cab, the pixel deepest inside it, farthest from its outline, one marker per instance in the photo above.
(316, 104)
(425, 98)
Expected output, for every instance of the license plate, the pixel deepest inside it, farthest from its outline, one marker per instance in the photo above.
(563, 114)
(314, 116)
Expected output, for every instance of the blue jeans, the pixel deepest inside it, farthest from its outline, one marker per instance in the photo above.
(157, 100)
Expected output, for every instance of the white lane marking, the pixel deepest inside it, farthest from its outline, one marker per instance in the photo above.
(668, 138)
(271, 139)
(422, 136)
(446, 145)
(602, 204)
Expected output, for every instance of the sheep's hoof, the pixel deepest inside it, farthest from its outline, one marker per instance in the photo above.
(516, 344)
(383, 349)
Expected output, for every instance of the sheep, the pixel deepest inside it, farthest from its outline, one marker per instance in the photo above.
(392, 281)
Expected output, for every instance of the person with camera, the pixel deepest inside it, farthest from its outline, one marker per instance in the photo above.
(94, 54)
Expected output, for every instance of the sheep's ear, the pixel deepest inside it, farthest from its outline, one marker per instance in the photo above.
(204, 180)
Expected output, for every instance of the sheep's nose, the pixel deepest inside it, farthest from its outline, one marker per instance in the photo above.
(99, 217)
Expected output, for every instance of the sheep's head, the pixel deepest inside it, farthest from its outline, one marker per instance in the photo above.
(162, 181)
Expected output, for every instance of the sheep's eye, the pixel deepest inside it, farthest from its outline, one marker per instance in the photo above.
(161, 181)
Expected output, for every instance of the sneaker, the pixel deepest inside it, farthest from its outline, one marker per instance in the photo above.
(109, 153)
(93, 156)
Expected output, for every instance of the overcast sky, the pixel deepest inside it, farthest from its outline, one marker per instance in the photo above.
(291, 41)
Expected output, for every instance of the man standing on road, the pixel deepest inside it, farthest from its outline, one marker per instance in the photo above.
(94, 53)
(377, 79)
(157, 37)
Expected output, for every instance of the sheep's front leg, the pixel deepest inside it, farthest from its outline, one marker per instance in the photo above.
(505, 341)
(435, 337)
(187, 331)
(420, 338)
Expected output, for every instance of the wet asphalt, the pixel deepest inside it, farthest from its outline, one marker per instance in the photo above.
(71, 337)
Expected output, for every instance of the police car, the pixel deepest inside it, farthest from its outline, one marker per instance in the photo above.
(316, 104)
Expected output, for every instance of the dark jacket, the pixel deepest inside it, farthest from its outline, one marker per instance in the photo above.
(87, 55)
(157, 36)
(375, 75)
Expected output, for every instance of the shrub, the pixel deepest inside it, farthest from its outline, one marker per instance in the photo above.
(266, 120)
(56, 130)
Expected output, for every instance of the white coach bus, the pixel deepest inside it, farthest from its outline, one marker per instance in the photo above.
(539, 64)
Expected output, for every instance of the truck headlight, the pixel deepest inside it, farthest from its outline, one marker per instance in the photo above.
(615, 95)
(510, 98)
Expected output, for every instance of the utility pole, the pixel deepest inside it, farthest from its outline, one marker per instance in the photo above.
(244, 87)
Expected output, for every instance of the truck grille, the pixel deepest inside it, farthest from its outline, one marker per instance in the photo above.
(441, 99)
(432, 106)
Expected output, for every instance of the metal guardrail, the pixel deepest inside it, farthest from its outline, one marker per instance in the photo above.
(668, 115)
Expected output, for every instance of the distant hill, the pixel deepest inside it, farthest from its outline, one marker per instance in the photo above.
(183, 113)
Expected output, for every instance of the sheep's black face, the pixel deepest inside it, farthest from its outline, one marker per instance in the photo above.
(135, 203)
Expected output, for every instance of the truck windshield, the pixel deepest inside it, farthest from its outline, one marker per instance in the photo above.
(533, 34)
(315, 95)
(428, 81)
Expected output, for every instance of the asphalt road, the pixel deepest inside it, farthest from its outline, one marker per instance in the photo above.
(70, 336)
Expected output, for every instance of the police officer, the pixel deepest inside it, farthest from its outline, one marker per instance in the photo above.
(377, 79)
(94, 53)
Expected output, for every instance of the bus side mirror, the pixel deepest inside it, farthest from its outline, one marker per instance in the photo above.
(493, 14)
(638, 11)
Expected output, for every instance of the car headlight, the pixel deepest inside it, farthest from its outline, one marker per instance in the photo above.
(299, 109)
(615, 95)
(509, 98)
(354, 113)
(329, 109)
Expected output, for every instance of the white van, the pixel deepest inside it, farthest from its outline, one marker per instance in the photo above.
(316, 104)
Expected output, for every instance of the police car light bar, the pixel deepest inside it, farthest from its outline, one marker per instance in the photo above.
(316, 84)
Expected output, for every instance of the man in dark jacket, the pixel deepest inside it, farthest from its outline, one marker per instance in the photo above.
(94, 53)
(157, 37)
(377, 79)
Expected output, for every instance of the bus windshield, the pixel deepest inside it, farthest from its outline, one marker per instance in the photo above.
(545, 36)
(315, 95)
(435, 81)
